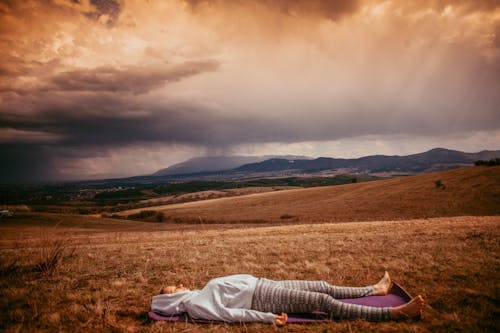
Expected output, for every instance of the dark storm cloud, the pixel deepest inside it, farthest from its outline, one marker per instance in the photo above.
(133, 79)
(104, 119)
(82, 110)
(130, 79)
(23, 163)
(104, 106)
(111, 120)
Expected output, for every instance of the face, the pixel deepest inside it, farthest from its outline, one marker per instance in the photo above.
(174, 289)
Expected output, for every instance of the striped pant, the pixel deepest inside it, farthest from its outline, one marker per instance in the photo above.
(295, 296)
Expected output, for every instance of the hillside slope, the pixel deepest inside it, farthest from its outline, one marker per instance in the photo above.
(465, 191)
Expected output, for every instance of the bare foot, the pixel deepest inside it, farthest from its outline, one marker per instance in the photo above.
(383, 286)
(411, 309)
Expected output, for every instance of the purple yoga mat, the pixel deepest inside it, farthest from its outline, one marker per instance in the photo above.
(396, 296)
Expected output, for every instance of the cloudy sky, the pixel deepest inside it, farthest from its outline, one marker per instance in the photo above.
(112, 88)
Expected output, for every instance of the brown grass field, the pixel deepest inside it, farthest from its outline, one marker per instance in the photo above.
(73, 273)
(466, 191)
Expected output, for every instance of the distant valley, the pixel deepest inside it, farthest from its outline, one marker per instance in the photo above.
(215, 177)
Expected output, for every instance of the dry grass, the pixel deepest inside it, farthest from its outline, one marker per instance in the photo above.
(466, 191)
(107, 284)
(211, 194)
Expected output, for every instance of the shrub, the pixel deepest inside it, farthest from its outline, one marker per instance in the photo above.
(160, 216)
(143, 214)
(54, 249)
(50, 257)
(491, 162)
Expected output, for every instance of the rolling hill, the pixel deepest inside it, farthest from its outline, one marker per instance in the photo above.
(457, 192)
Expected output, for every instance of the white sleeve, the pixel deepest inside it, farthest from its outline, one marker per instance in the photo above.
(231, 315)
(244, 315)
(211, 308)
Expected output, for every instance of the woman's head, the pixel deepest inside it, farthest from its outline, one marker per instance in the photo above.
(173, 289)
(171, 300)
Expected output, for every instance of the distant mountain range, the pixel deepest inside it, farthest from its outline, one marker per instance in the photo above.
(217, 163)
(239, 167)
(435, 159)
(236, 168)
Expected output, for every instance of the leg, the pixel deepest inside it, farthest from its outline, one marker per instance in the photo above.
(323, 287)
(270, 297)
(339, 292)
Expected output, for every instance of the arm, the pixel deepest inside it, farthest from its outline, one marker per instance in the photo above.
(231, 315)
(244, 315)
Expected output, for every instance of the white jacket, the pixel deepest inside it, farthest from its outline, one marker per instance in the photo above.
(226, 299)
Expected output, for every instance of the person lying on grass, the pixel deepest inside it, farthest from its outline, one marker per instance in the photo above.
(244, 298)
